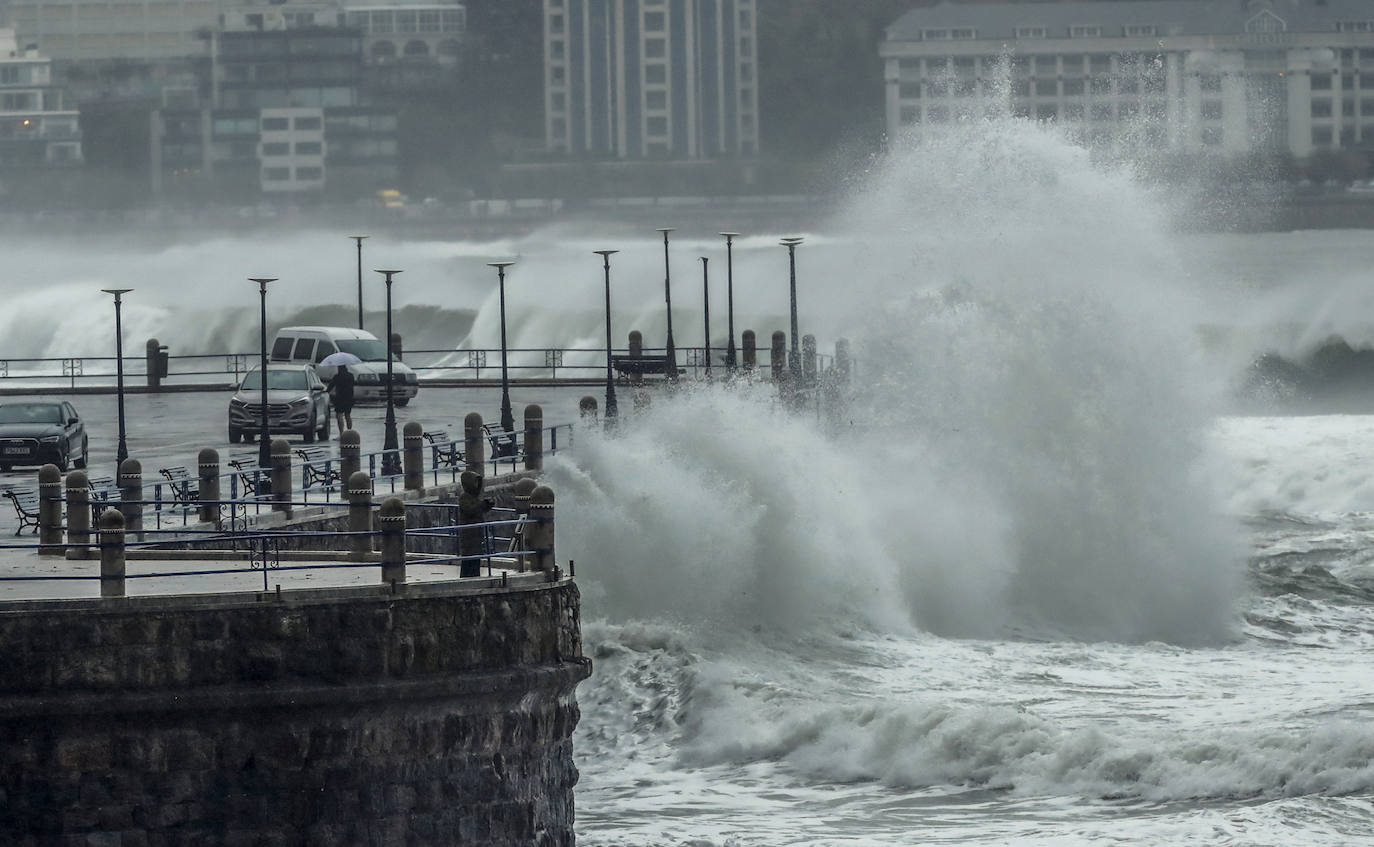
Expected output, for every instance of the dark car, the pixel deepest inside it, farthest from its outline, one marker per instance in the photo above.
(40, 433)
(296, 403)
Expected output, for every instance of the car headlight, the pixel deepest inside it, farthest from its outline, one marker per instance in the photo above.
(302, 403)
(50, 439)
(236, 403)
(411, 379)
(371, 379)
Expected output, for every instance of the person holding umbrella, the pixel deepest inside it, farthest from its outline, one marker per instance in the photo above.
(341, 387)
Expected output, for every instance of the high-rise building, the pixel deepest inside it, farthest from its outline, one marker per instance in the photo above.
(1229, 76)
(39, 130)
(651, 79)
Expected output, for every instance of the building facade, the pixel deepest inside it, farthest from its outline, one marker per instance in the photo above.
(286, 119)
(651, 79)
(1229, 76)
(39, 130)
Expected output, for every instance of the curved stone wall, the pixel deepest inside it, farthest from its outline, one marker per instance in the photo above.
(435, 715)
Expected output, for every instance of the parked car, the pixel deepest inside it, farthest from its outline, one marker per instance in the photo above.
(297, 404)
(307, 345)
(39, 433)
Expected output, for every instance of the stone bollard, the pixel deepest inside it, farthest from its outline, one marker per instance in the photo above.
(474, 444)
(636, 352)
(350, 453)
(534, 437)
(586, 407)
(153, 363)
(391, 520)
(842, 361)
(360, 514)
(539, 535)
(207, 466)
(751, 350)
(396, 345)
(520, 495)
(281, 476)
(131, 495)
(413, 456)
(50, 511)
(473, 506)
(111, 553)
(78, 516)
(808, 362)
(779, 355)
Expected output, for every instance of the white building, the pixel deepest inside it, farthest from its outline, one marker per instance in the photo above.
(635, 79)
(1224, 75)
(37, 129)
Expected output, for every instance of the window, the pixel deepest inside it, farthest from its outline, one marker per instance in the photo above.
(1139, 30)
(935, 34)
(1211, 110)
(556, 24)
(1355, 26)
(1085, 31)
(1030, 32)
(308, 123)
(1099, 63)
(1046, 88)
(655, 48)
(1073, 88)
(656, 99)
(1211, 136)
(309, 148)
(276, 148)
(274, 124)
(559, 101)
(1321, 108)
(9, 74)
(653, 22)
(305, 348)
(1321, 82)
(276, 174)
(1321, 136)
(1348, 107)
(963, 33)
(656, 126)
(556, 49)
(909, 91)
(313, 173)
(746, 47)
(655, 74)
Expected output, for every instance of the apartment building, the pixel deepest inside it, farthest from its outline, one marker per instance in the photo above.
(1229, 76)
(651, 79)
(39, 130)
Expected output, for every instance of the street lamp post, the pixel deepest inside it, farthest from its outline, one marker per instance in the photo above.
(730, 353)
(669, 354)
(507, 418)
(122, 452)
(391, 458)
(264, 448)
(611, 410)
(359, 239)
(706, 310)
(794, 354)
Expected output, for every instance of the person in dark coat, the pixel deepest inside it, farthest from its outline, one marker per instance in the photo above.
(341, 394)
(472, 509)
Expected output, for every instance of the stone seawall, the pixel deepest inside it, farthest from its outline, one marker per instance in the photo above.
(436, 714)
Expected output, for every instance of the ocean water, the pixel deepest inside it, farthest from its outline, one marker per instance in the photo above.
(1041, 578)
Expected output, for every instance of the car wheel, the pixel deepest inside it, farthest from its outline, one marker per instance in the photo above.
(63, 462)
(308, 434)
(235, 435)
(80, 463)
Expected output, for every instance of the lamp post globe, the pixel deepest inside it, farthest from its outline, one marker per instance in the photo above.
(122, 452)
(612, 410)
(264, 448)
(391, 457)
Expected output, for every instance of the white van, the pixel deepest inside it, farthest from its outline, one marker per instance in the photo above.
(308, 345)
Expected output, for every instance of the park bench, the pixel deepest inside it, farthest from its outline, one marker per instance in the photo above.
(25, 508)
(184, 487)
(444, 450)
(247, 471)
(631, 366)
(318, 466)
(103, 491)
(503, 444)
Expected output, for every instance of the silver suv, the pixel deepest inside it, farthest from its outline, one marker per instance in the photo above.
(297, 403)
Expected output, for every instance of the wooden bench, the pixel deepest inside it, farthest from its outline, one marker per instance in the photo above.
(184, 487)
(444, 449)
(503, 444)
(632, 366)
(318, 466)
(25, 508)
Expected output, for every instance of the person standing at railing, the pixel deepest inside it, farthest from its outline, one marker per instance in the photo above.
(472, 509)
(341, 395)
